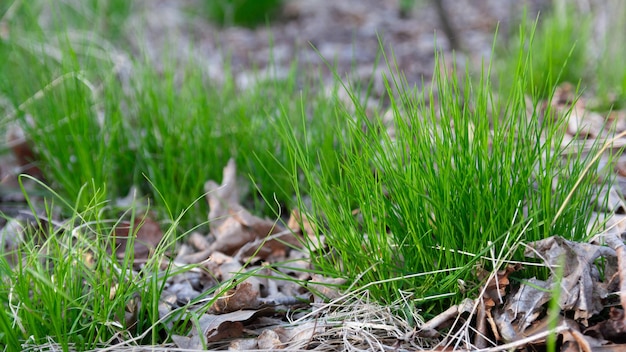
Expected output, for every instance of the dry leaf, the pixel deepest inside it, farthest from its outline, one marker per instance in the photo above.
(579, 289)
(522, 309)
(269, 340)
(581, 123)
(167, 302)
(617, 244)
(300, 224)
(495, 287)
(613, 329)
(230, 236)
(198, 241)
(222, 197)
(493, 293)
(615, 203)
(244, 296)
(216, 327)
(243, 345)
(193, 258)
(231, 224)
(147, 233)
(325, 288)
(221, 266)
(620, 165)
(185, 293)
(23, 152)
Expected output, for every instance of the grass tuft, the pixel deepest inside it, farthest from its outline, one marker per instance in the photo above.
(64, 283)
(97, 116)
(465, 170)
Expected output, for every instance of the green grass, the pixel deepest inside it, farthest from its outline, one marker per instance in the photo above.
(560, 46)
(247, 13)
(463, 176)
(78, 137)
(63, 284)
(609, 78)
(572, 44)
(93, 120)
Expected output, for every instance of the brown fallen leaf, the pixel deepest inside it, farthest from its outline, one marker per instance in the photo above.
(325, 288)
(496, 285)
(243, 345)
(269, 340)
(198, 241)
(23, 152)
(612, 329)
(617, 244)
(196, 250)
(222, 198)
(244, 296)
(493, 293)
(231, 224)
(300, 223)
(222, 267)
(522, 309)
(580, 290)
(217, 327)
(230, 236)
(615, 202)
(581, 123)
(147, 234)
(620, 165)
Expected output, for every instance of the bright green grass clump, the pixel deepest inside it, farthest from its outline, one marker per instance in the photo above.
(466, 174)
(95, 115)
(62, 284)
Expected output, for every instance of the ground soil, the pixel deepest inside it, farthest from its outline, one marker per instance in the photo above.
(347, 33)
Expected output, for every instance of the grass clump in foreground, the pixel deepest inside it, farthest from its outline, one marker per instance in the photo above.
(467, 174)
(63, 284)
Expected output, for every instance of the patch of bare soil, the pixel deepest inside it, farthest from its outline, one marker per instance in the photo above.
(347, 33)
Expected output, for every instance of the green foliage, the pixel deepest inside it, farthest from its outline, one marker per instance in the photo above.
(559, 43)
(461, 179)
(59, 105)
(609, 79)
(63, 284)
(171, 128)
(186, 128)
(247, 13)
(572, 44)
(103, 17)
